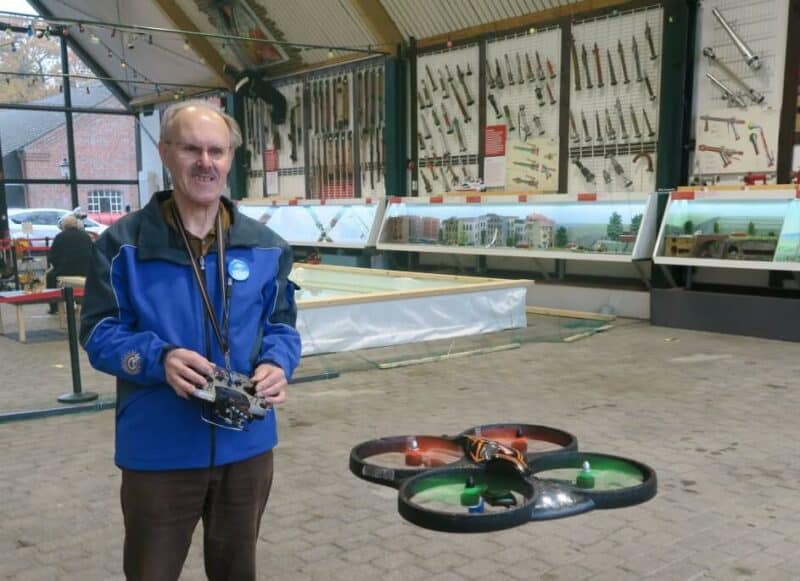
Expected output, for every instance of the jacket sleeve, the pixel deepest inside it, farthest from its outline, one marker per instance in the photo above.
(54, 252)
(108, 322)
(280, 343)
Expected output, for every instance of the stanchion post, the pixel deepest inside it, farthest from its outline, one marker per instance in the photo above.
(77, 395)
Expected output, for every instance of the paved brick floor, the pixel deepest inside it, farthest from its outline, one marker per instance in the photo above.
(715, 415)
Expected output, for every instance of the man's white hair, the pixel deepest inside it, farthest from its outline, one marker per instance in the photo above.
(70, 221)
(172, 112)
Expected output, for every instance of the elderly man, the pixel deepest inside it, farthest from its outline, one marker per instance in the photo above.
(183, 285)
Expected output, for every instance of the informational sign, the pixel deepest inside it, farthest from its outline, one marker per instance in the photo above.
(495, 140)
(270, 159)
(272, 183)
(494, 172)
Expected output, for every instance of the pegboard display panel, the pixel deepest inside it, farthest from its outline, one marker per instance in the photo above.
(257, 138)
(369, 104)
(523, 93)
(447, 118)
(615, 76)
(332, 143)
(633, 171)
(738, 88)
(275, 151)
(330, 135)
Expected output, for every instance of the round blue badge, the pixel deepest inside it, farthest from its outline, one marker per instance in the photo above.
(238, 269)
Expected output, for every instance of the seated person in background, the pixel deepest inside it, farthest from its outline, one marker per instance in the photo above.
(69, 254)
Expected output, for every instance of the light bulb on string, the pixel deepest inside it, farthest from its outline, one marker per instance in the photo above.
(186, 44)
(94, 39)
(123, 63)
(9, 32)
(330, 54)
(81, 29)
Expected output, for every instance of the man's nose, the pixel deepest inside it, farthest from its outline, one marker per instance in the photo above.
(204, 158)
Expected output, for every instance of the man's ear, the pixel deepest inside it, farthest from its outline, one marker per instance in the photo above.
(162, 152)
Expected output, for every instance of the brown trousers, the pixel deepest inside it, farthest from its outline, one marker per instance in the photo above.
(161, 510)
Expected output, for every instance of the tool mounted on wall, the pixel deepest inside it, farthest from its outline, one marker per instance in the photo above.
(750, 58)
(711, 55)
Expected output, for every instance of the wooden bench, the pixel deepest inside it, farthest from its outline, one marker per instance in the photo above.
(20, 299)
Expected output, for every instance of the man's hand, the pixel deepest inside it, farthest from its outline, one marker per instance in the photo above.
(270, 383)
(185, 370)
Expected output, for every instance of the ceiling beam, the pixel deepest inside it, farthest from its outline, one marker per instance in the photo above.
(166, 96)
(379, 23)
(200, 45)
(518, 22)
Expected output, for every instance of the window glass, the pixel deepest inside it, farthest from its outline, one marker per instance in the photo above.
(29, 197)
(34, 143)
(105, 146)
(107, 203)
(87, 89)
(32, 64)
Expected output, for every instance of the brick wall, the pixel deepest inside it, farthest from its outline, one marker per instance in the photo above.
(105, 148)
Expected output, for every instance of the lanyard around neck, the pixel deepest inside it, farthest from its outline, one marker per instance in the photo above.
(222, 338)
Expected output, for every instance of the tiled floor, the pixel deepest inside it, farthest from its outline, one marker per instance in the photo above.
(715, 415)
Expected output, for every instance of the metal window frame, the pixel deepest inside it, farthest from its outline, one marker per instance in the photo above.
(68, 110)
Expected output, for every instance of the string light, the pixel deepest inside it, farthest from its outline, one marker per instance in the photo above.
(62, 25)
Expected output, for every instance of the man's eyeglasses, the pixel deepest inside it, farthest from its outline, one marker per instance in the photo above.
(193, 152)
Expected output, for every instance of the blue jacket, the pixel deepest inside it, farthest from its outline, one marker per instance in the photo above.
(142, 298)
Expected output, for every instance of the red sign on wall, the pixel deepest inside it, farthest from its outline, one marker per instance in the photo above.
(271, 159)
(495, 139)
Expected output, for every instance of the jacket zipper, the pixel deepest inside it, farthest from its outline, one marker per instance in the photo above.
(206, 333)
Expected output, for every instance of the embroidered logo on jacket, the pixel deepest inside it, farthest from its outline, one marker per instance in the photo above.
(132, 362)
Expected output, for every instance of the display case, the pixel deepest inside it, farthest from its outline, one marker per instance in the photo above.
(607, 227)
(348, 223)
(745, 229)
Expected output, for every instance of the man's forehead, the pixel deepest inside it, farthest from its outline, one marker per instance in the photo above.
(199, 118)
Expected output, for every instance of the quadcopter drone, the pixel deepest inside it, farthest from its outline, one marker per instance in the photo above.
(497, 476)
(232, 398)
